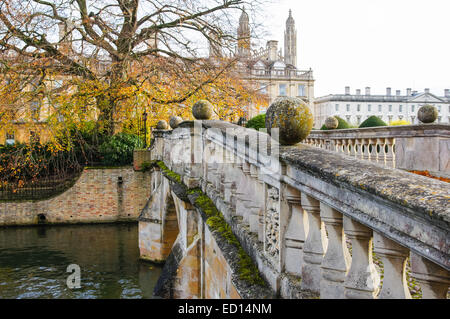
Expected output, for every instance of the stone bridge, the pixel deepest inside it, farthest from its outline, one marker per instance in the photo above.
(235, 215)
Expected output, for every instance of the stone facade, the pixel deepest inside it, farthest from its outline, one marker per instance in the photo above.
(355, 108)
(99, 195)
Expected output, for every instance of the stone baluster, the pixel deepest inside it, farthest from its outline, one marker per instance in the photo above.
(296, 232)
(365, 149)
(338, 144)
(373, 150)
(390, 155)
(235, 187)
(394, 257)
(352, 149)
(315, 245)
(332, 146)
(228, 185)
(262, 199)
(256, 202)
(433, 279)
(336, 261)
(345, 146)
(362, 281)
(244, 197)
(382, 151)
(360, 151)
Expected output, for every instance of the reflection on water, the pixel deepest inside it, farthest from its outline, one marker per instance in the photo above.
(33, 262)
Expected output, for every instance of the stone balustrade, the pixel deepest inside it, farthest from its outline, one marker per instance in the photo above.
(314, 220)
(410, 147)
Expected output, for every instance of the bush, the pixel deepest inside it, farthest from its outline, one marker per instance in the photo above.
(399, 122)
(118, 149)
(257, 122)
(342, 124)
(373, 121)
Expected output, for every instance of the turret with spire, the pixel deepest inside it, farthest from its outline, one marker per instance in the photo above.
(290, 41)
(243, 34)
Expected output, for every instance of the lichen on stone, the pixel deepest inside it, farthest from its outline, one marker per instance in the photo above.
(293, 119)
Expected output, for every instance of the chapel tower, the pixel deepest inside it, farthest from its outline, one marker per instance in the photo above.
(290, 41)
(243, 35)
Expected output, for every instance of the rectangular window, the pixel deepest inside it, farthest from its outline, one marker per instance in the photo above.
(358, 108)
(10, 140)
(301, 90)
(400, 108)
(379, 108)
(348, 107)
(282, 88)
(263, 88)
(439, 109)
(337, 107)
(412, 108)
(390, 108)
(369, 108)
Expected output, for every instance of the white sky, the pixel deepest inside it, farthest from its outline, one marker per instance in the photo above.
(359, 43)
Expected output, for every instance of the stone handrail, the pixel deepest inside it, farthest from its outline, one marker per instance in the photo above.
(410, 147)
(298, 213)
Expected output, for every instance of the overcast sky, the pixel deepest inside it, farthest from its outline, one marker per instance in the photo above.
(359, 43)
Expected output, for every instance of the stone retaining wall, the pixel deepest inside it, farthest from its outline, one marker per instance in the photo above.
(99, 195)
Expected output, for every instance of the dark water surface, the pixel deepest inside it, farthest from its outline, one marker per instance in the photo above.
(34, 260)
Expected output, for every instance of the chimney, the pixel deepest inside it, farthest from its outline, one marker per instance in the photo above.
(272, 46)
(358, 92)
(397, 92)
(347, 90)
(447, 92)
(408, 92)
(367, 90)
(427, 90)
(388, 91)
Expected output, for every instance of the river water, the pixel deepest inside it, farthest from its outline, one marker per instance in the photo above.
(34, 261)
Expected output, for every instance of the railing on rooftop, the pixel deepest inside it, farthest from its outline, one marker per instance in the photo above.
(319, 215)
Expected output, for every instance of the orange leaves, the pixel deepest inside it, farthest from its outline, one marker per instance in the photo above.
(427, 174)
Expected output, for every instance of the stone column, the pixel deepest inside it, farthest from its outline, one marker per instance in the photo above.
(433, 279)
(394, 258)
(336, 261)
(362, 280)
(315, 245)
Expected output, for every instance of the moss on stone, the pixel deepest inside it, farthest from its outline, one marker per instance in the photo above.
(247, 270)
(170, 174)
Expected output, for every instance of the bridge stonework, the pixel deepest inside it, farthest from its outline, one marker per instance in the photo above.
(313, 221)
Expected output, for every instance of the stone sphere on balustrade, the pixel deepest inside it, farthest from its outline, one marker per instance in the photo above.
(162, 125)
(427, 114)
(331, 123)
(175, 121)
(202, 110)
(292, 117)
